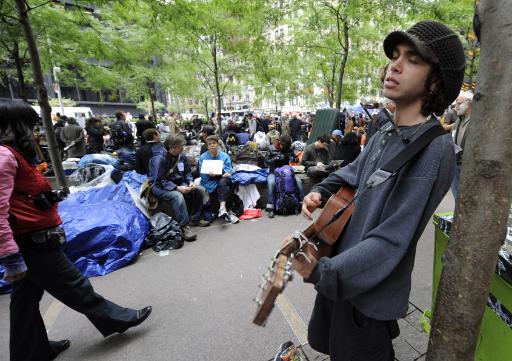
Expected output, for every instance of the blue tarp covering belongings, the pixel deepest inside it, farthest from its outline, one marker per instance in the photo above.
(98, 159)
(245, 176)
(104, 228)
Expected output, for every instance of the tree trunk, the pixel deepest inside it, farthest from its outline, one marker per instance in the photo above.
(206, 106)
(342, 66)
(19, 71)
(483, 206)
(275, 100)
(331, 87)
(152, 103)
(42, 95)
(218, 95)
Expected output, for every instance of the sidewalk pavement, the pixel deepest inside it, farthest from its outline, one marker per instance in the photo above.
(411, 345)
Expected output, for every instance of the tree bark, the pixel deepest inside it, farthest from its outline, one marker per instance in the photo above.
(218, 95)
(482, 209)
(342, 66)
(42, 95)
(19, 71)
(206, 106)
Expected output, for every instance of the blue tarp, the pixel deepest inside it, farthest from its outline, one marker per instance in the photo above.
(98, 159)
(250, 177)
(4, 286)
(104, 228)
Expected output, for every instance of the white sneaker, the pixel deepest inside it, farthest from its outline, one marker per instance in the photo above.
(223, 214)
(233, 218)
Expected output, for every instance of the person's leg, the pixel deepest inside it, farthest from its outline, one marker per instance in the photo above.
(194, 200)
(223, 189)
(54, 272)
(28, 338)
(300, 188)
(354, 336)
(271, 185)
(178, 205)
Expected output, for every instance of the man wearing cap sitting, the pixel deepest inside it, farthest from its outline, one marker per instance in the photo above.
(335, 145)
(173, 184)
(363, 288)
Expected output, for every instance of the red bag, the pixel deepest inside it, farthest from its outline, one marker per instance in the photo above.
(251, 213)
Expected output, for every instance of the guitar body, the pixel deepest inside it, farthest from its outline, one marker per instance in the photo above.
(317, 240)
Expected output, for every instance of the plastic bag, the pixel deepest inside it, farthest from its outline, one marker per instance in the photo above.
(251, 213)
(91, 176)
(165, 233)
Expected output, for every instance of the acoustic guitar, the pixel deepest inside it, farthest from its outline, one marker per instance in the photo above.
(317, 240)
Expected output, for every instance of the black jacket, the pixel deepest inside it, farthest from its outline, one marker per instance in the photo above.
(350, 148)
(275, 159)
(144, 154)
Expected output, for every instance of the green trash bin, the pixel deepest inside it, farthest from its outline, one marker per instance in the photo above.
(495, 342)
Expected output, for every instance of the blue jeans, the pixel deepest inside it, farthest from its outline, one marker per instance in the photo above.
(271, 189)
(182, 203)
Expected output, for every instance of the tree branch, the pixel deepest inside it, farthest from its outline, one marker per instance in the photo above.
(35, 7)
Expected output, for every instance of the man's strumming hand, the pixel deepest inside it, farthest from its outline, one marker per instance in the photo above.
(311, 202)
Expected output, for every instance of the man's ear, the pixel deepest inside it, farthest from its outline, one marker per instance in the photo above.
(435, 85)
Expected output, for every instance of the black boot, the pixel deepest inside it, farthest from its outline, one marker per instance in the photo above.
(57, 347)
(270, 213)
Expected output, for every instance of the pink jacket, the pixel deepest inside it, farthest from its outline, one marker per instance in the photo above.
(8, 168)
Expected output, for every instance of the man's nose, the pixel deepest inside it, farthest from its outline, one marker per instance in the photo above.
(396, 64)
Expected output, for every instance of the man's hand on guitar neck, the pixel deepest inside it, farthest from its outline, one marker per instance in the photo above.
(312, 201)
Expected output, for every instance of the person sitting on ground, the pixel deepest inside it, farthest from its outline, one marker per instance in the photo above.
(220, 184)
(282, 155)
(206, 131)
(95, 133)
(316, 158)
(152, 147)
(173, 185)
(141, 125)
(73, 137)
(335, 145)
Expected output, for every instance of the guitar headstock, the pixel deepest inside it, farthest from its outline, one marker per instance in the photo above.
(274, 281)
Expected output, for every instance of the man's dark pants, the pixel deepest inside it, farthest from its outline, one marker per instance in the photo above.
(50, 270)
(339, 330)
(223, 189)
(180, 205)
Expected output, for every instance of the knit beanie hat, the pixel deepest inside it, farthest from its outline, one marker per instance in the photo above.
(437, 44)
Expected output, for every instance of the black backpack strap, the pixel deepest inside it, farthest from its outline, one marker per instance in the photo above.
(401, 159)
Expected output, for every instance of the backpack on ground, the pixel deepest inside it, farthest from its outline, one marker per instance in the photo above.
(287, 200)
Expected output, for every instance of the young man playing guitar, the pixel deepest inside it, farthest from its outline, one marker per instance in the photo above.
(364, 287)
